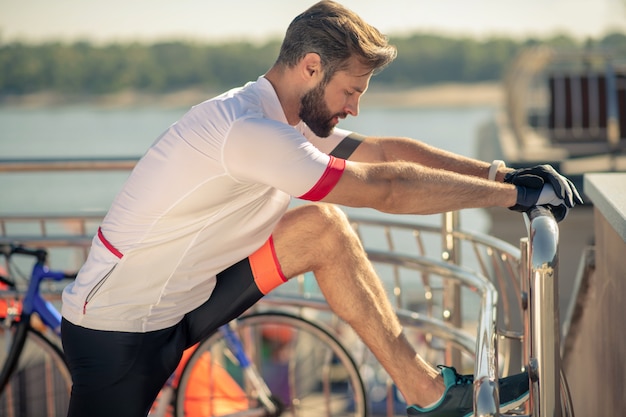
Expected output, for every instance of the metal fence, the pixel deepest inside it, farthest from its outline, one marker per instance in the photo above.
(469, 300)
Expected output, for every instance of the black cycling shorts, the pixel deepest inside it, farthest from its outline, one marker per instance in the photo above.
(120, 373)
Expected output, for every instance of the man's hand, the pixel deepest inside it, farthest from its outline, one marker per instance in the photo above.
(563, 187)
(531, 191)
(548, 196)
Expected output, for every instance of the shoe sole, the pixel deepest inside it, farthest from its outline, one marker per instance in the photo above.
(508, 406)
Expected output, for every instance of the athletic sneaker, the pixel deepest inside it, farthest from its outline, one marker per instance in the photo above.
(458, 399)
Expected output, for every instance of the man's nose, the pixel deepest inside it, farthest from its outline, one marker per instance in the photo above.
(352, 107)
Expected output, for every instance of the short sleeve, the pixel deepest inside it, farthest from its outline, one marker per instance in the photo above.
(273, 153)
(326, 144)
(341, 143)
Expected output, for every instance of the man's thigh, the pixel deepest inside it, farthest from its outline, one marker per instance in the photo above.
(118, 373)
(284, 255)
(237, 289)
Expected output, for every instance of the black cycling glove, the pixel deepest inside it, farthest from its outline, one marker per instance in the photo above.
(563, 187)
(530, 183)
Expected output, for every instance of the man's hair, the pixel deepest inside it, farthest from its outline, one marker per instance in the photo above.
(336, 34)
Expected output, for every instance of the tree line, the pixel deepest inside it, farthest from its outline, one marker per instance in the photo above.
(86, 68)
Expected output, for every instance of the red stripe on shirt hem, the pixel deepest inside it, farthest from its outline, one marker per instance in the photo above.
(108, 244)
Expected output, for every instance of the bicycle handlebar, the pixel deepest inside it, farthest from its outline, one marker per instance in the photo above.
(7, 281)
(41, 254)
(11, 249)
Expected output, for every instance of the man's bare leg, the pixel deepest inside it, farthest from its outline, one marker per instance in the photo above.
(319, 238)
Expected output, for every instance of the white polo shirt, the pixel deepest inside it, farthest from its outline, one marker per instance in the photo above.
(207, 194)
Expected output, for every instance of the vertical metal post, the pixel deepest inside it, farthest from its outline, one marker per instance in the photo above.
(525, 308)
(545, 333)
(451, 290)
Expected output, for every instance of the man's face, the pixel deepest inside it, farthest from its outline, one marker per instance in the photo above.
(323, 106)
(315, 112)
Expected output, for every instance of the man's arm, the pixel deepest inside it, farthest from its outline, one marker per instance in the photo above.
(562, 194)
(411, 188)
(387, 149)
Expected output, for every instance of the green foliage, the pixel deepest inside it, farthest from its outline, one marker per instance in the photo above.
(427, 59)
(84, 68)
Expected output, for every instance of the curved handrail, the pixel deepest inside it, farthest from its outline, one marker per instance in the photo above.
(428, 324)
(486, 363)
(472, 236)
(502, 259)
(492, 257)
(486, 399)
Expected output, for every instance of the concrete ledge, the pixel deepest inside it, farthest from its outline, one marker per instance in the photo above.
(593, 359)
(607, 191)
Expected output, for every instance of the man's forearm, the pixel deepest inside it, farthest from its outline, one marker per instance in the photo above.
(405, 149)
(410, 188)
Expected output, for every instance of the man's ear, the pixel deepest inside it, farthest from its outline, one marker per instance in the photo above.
(311, 66)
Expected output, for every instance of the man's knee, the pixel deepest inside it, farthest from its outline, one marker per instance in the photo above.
(312, 236)
(326, 214)
(336, 238)
(329, 221)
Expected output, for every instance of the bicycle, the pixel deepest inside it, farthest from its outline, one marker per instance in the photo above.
(303, 369)
(315, 366)
(34, 380)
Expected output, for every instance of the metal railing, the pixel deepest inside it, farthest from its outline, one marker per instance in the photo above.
(549, 395)
(514, 326)
(479, 347)
(491, 267)
(75, 164)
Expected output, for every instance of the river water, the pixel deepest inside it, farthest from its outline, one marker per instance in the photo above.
(90, 131)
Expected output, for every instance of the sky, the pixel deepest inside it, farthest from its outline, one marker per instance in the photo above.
(108, 21)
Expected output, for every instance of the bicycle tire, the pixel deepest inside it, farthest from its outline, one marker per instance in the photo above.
(305, 367)
(40, 384)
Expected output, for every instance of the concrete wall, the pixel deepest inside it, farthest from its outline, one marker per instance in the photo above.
(594, 359)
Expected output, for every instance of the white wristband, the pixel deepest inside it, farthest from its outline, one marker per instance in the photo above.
(493, 169)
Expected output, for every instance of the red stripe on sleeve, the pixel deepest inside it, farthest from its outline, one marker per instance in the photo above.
(327, 182)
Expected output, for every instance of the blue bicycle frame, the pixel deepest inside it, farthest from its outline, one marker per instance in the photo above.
(33, 302)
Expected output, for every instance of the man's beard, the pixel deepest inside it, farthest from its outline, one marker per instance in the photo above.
(315, 113)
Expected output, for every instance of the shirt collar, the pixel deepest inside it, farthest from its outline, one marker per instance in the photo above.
(270, 103)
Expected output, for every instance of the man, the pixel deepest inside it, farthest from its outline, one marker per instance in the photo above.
(201, 230)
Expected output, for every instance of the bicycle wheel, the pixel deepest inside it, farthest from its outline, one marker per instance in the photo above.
(304, 366)
(40, 384)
